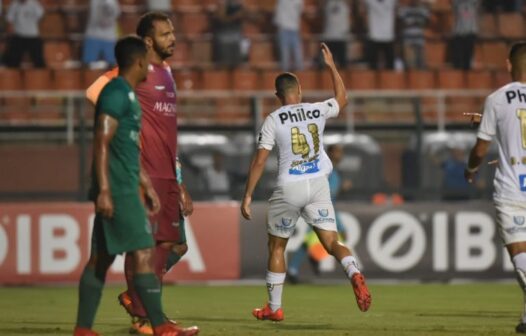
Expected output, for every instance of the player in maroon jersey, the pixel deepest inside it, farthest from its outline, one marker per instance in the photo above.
(157, 97)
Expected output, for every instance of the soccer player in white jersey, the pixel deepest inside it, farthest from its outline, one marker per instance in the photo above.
(504, 119)
(303, 188)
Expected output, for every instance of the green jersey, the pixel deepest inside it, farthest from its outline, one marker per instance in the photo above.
(118, 100)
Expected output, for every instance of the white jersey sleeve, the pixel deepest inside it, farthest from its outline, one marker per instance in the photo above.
(488, 125)
(329, 108)
(267, 134)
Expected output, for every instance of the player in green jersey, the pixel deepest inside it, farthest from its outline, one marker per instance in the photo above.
(121, 223)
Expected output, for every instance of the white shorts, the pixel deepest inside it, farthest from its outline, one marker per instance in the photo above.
(511, 221)
(310, 199)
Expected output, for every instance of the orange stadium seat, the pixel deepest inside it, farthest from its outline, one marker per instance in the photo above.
(75, 22)
(501, 78)
(70, 79)
(252, 28)
(181, 56)
(494, 54)
(216, 80)
(488, 25)
(56, 53)
(243, 80)
(480, 80)
(202, 52)
(193, 24)
(309, 79)
(392, 80)
(435, 54)
(128, 23)
(451, 79)
(268, 78)
(421, 80)
(186, 5)
(326, 79)
(187, 79)
(37, 79)
(53, 25)
(361, 79)
(262, 54)
(511, 25)
(89, 76)
(10, 79)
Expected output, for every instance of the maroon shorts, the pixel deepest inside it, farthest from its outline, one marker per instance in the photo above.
(165, 225)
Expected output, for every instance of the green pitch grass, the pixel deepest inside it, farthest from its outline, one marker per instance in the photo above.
(473, 309)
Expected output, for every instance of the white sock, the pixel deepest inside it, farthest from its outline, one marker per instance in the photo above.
(275, 283)
(519, 261)
(350, 266)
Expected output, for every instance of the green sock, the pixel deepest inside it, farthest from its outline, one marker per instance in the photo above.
(173, 258)
(149, 289)
(90, 291)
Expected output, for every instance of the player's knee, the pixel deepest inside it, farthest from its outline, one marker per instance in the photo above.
(180, 249)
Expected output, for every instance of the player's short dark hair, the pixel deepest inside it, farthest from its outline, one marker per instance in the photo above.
(284, 82)
(517, 52)
(145, 26)
(128, 49)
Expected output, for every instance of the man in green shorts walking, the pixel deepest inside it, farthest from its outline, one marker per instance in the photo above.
(121, 223)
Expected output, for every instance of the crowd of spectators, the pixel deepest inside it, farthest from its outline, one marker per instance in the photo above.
(393, 32)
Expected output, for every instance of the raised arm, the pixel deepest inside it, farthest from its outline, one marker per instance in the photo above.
(340, 93)
(106, 128)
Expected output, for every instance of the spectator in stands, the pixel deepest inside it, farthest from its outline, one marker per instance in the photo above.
(164, 6)
(465, 29)
(336, 30)
(217, 178)
(287, 18)
(101, 32)
(24, 16)
(454, 184)
(381, 32)
(228, 33)
(413, 19)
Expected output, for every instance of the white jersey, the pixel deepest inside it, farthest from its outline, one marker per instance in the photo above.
(505, 118)
(298, 132)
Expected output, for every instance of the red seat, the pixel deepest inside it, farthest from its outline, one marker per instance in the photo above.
(361, 79)
(494, 54)
(56, 53)
(53, 25)
(309, 79)
(261, 53)
(244, 80)
(216, 80)
(187, 80)
(435, 54)
(70, 79)
(392, 80)
(326, 80)
(10, 79)
(421, 80)
(268, 79)
(193, 24)
(451, 79)
(511, 25)
(37, 79)
(480, 80)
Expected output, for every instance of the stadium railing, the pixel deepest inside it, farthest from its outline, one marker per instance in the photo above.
(398, 120)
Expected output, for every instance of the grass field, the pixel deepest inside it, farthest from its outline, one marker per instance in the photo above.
(473, 309)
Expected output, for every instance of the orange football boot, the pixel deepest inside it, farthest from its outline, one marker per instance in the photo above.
(168, 329)
(363, 297)
(266, 313)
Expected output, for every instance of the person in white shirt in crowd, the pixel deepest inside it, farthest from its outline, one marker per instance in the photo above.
(381, 16)
(465, 30)
(337, 26)
(101, 32)
(24, 16)
(413, 19)
(287, 18)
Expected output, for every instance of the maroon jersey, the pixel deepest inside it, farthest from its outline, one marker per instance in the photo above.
(159, 122)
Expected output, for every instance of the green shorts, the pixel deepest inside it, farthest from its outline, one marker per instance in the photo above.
(128, 229)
